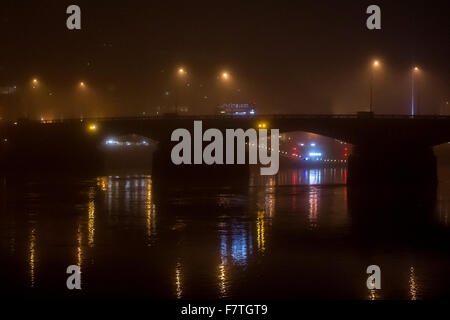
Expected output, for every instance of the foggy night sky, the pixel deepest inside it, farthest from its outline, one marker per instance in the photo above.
(289, 57)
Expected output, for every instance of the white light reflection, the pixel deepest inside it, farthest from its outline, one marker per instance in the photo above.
(133, 192)
(178, 279)
(91, 217)
(413, 287)
(32, 256)
(313, 200)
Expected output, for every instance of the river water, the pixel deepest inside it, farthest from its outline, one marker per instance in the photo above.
(300, 234)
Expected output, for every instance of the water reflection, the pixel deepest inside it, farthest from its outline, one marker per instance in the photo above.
(178, 279)
(275, 236)
(374, 294)
(318, 176)
(222, 280)
(91, 217)
(313, 207)
(32, 256)
(236, 245)
(85, 229)
(130, 196)
(79, 254)
(413, 288)
(150, 210)
(261, 232)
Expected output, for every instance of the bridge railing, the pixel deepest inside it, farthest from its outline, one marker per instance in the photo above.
(255, 117)
(277, 116)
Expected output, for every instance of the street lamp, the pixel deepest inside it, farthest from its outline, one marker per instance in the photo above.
(375, 65)
(181, 73)
(92, 127)
(224, 77)
(414, 71)
(34, 82)
(82, 84)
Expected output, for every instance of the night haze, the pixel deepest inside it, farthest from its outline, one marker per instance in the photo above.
(287, 57)
(224, 159)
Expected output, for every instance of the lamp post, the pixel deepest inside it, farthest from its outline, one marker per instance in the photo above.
(375, 65)
(34, 83)
(181, 74)
(225, 79)
(413, 73)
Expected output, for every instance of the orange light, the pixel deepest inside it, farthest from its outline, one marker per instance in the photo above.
(262, 125)
(92, 127)
(34, 82)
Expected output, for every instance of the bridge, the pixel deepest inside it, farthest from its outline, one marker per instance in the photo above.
(397, 130)
(399, 145)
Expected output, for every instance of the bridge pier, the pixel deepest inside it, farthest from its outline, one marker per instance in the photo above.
(165, 172)
(407, 165)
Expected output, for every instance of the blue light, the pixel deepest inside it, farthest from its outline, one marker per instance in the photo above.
(313, 144)
(252, 111)
(111, 141)
(315, 154)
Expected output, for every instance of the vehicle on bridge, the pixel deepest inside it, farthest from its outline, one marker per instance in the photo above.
(239, 109)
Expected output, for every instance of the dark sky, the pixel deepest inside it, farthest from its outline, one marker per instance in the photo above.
(296, 56)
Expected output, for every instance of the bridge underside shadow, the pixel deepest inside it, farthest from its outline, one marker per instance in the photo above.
(164, 172)
(386, 149)
(408, 165)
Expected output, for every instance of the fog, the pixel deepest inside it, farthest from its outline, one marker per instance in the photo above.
(299, 57)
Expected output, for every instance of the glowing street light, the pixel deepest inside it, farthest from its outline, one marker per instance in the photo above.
(92, 127)
(82, 84)
(262, 125)
(375, 65)
(181, 73)
(34, 82)
(224, 79)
